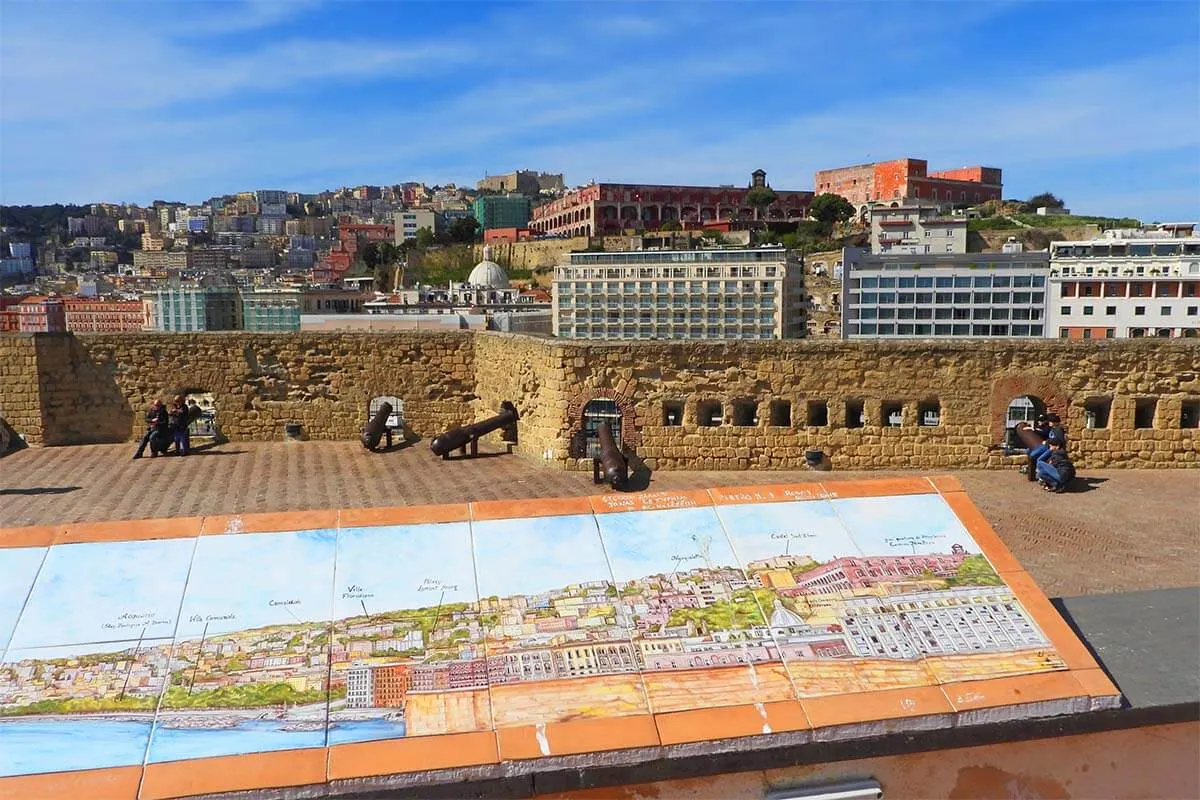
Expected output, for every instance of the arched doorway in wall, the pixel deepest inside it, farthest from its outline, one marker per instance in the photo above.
(596, 412)
(1024, 408)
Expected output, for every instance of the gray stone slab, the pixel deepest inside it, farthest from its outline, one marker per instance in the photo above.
(1148, 642)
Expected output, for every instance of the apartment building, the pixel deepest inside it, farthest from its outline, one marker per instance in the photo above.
(948, 294)
(502, 211)
(407, 223)
(916, 229)
(1128, 284)
(680, 294)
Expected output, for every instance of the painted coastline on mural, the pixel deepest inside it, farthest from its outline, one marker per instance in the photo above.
(247, 643)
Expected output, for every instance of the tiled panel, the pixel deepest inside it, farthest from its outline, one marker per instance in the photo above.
(18, 568)
(557, 643)
(694, 617)
(910, 525)
(94, 636)
(249, 667)
(408, 658)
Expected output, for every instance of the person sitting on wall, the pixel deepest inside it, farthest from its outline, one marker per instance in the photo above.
(1054, 435)
(1054, 469)
(155, 410)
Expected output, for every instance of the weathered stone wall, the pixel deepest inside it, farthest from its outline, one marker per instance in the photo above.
(96, 387)
(20, 391)
(93, 388)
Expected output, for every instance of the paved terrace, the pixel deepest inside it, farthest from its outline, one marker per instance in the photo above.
(1126, 530)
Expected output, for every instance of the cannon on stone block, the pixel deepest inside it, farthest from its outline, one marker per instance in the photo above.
(462, 436)
(377, 428)
(610, 466)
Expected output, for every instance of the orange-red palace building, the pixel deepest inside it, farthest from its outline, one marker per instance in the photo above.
(909, 179)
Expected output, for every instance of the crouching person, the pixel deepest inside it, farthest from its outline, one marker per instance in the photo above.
(1054, 469)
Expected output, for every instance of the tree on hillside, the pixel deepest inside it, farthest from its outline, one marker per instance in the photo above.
(1043, 200)
(670, 225)
(830, 209)
(461, 231)
(424, 238)
(759, 198)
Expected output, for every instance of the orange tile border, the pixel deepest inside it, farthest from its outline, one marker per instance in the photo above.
(1064, 641)
(280, 522)
(1012, 691)
(412, 754)
(578, 736)
(31, 536)
(881, 706)
(945, 483)
(1098, 686)
(876, 487)
(729, 722)
(484, 510)
(649, 501)
(244, 772)
(773, 493)
(114, 783)
(404, 515)
(133, 530)
(993, 547)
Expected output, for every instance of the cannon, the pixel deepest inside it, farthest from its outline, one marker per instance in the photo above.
(377, 428)
(610, 466)
(462, 436)
(1027, 436)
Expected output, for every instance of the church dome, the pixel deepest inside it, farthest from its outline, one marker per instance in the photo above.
(488, 273)
(782, 618)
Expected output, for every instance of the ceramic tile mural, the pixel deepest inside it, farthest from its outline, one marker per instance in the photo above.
(528, 629)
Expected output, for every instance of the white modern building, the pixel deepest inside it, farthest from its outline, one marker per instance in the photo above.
(916, 229)
(680, 294)
(407, 223)
(1127, 285)
(360, 686)
(943, 295)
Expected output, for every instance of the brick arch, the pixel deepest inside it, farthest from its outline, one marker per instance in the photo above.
(631, 429)
(1007, 387)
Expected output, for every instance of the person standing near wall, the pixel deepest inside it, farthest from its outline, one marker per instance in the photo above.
(180, 420)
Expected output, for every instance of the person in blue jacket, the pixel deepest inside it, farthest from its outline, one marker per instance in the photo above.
(1054, 469)
(1055, 435)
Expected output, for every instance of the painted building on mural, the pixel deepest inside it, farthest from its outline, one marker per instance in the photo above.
(611, 208)
(905, 180)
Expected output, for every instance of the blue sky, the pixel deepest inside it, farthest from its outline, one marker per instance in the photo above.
(805, 528)
(538, 554)
(403, 567)
(130, 101)
(642, 543)
(903, 525)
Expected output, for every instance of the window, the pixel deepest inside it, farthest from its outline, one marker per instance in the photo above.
(709, 413)
(1191, 311)
(856, 417)
(1165, 311)
(891, 414)
(1144, 409)
(1087, 311)
(1110, 311)
(929, 413)
(818, 413)
(1189, 414)
(781, 414)
(1096, 411)
(596, 413)
(1139, 311)
(1110, 333)
(745, 413)
(1065, 311)
(672, 413)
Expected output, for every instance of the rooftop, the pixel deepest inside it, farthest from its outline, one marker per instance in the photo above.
(1092, 541)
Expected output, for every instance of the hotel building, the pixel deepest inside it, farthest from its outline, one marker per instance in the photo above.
(680, 294)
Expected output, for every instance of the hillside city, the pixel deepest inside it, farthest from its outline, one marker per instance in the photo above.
(882, 250)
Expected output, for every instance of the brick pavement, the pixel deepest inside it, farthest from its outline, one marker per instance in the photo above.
(1130, 530)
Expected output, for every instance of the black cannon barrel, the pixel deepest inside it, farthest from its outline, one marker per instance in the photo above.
(459, 437)
(376, 427)
(616, 466)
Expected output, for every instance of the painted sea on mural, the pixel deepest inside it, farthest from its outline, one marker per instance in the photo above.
(256, 642)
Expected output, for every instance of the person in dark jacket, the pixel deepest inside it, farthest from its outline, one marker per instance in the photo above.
(180, 420)
(1054, 434)
(1055, 469)
(156, 410)
(160, 437)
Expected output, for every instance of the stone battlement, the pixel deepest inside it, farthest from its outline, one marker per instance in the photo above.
(680, 405)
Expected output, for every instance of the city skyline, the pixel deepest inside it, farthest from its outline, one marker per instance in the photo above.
(485, 89)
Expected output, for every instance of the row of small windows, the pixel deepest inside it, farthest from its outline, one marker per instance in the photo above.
(950, 282)
(1164, 289)
(1097, 413)
(745, 413)
(1138, 311)
(947, 298)
(959, 329)
(947, 313)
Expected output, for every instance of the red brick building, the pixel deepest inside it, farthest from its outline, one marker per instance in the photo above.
(91, 315)
(391, 685)
(612, 208)
(908, 179)
(335, 263)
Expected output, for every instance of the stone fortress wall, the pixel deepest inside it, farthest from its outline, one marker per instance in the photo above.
(771, 401)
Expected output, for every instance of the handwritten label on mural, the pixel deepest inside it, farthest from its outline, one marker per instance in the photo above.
(808, 494)
(681, 559)
(435, 585)
(132, 620)
(212, 617)
(664, 501)
(784, 536)
(354, 592)
(283, 603)
(911, 541)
